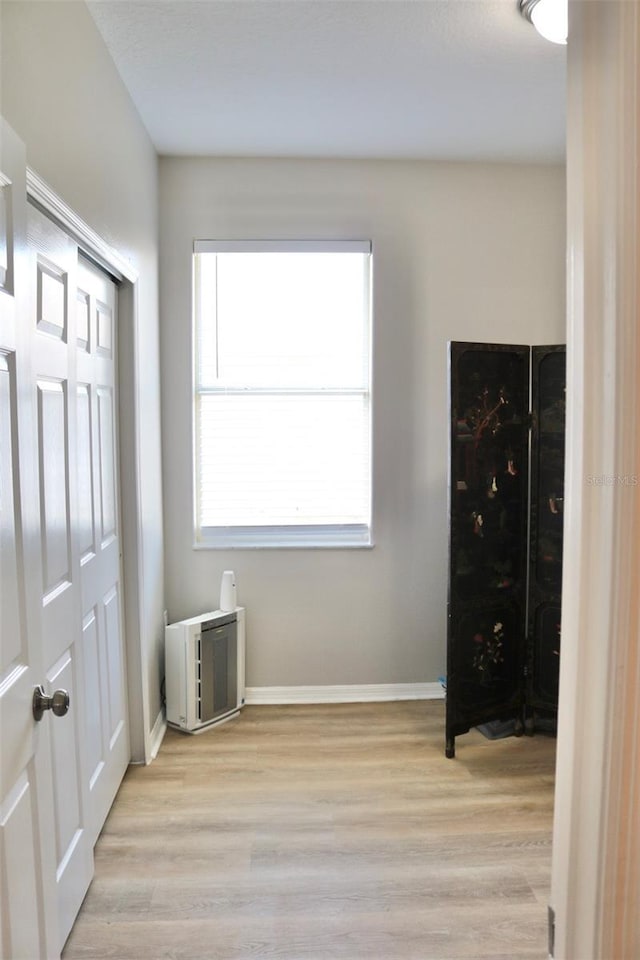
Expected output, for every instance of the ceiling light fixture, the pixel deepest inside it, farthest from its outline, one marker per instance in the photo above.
(549, 17)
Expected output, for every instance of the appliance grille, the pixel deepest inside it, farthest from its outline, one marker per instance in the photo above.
(199, 676)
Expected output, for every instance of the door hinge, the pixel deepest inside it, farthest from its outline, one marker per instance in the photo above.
(552, 930)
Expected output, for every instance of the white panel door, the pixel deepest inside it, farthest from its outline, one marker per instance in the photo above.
(52, 318)
(105, 725)
(60, 600)
(28, 909)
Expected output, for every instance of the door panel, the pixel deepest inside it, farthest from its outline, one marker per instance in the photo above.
(106, 709)
(53, 284)
(82, 320)
(113, 646)
(86, 544)
(10, 612)
(488, 470)
(6, 253)
(54, 487)
(92, 673)
(20, 926)
(16, 674)
(104, 329)
(71, 834)
(51, 288)
(107, 464)
(65, 766)
(548, 398)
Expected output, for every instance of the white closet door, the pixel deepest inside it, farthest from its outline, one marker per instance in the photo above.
(52, 282)
(105, 723)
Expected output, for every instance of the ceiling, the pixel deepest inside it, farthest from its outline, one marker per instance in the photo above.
(438, 79)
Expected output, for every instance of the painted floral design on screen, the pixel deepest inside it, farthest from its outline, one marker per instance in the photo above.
(489, 651)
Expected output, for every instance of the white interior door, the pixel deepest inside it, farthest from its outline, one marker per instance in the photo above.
(28, 908)
(60, 601)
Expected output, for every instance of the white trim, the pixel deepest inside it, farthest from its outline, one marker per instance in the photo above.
(230, 390)
(595, 884)
(219, 525)
(282, 246)
(43, 196)
(157, 736)
(344, 693)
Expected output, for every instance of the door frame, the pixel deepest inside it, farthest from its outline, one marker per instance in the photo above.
(43, 197)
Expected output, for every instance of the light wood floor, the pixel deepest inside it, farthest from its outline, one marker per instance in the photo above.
(322, 832)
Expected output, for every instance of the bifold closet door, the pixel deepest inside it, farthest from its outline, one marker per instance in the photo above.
(106, 736)
(52, 318)
(74, 349)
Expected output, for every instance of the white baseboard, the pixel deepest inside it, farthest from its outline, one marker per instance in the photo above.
(157, 735)
(344, 693)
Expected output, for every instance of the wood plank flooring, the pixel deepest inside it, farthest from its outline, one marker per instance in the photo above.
(321, 832)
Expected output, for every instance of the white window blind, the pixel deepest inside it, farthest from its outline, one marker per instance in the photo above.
(282, 393)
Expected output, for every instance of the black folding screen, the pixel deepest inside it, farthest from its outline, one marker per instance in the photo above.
(505, 547)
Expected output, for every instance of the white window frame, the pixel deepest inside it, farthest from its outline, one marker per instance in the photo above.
(341, 536)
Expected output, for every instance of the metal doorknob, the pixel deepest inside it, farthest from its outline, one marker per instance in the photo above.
(59, 702)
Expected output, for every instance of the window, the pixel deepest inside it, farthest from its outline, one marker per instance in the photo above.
(282, 393)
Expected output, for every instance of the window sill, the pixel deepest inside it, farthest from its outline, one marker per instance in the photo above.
(279, 538)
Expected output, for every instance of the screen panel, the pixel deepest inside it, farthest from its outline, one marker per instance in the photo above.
(488, 517)
(548, 403)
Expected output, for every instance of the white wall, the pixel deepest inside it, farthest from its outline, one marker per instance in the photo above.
(462, 252)
(62, 95)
